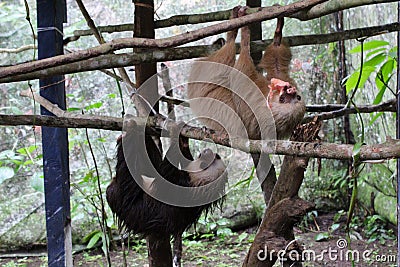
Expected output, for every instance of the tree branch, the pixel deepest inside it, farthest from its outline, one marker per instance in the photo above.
(17, 50)
(333, 6)
(123, 60)
(316, 11)
(121, 43)
(388, 150)
(340, 110)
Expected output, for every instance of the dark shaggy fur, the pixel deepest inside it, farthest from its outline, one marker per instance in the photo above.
(136, 210)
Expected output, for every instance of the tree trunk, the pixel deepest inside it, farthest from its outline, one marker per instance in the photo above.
(159, 247)
(285, 209)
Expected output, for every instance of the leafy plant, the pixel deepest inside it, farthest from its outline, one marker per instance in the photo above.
(379, 60)
(375, 229)
(327, 234)
(24, 159)
(308, 220)
(323, 236)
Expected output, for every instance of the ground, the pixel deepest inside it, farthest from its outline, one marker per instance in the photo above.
(230, 250)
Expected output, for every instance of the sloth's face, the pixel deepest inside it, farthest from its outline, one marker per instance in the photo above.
(207, 168)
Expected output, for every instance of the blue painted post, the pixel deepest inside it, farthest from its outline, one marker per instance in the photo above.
(50, 17)
(398, 137)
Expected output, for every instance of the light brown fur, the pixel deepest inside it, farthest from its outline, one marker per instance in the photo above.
(277, 63)
(247, 106)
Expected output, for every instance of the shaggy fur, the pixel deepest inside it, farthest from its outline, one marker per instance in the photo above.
(140, 213)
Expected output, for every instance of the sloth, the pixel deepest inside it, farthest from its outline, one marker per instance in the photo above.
(234, 97)
(131, 193)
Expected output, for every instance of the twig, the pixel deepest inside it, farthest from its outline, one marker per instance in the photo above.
(386, 106)
(166, 80)
(17, 50)
(130, 85)
(53, 108)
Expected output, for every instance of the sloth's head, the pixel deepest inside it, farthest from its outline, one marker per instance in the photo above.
(282, 92)
(207, 168)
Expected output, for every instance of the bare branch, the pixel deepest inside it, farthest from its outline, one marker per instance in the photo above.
(332, 6)
(340, 111)
(17, 50)
(117, 44)
(388, 150)
(123, 60)
(53, 108)
(315, 12)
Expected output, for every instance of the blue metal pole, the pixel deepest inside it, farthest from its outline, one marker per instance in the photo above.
(50, 17)
(398, 136)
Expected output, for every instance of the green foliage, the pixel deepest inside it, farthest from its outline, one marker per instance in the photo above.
(214, 228)
(92, 238)
(374, 227)
(371, 45)
(380, 60)
(323, 236)
(308, 220)
(22, 160)
(247, 181)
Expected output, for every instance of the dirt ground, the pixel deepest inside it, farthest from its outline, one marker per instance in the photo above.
(230, 250)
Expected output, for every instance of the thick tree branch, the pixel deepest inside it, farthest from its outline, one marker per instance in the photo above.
(333, 6)
(117, 44)
(388, 150)
(123, 60)
(316, 11)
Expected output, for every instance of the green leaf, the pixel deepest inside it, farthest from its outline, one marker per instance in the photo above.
(73, 109)
(93, 106)
(353, 79)
(338, 215)
(356, 149)
(27, 150)
(375, 117)
(379, 96)
(368, 46)
(207, 235)
(94, 239)
(242, 237)
(6, 173)
(111, 96)
(375, 51)
(382, 78)
(335, 226)
(322, 237)
(387, 68)
(224, 232)
(376, 60)
(27, 162)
